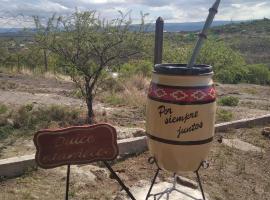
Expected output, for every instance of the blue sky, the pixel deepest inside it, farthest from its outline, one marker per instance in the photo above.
(17, 13)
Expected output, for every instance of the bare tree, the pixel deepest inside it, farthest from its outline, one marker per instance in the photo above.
(89, 45)
(43, 32)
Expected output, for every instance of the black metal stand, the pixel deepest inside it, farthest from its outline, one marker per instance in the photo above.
(200, 184)
(168, 191)
(67, 181)
(114, 175)
(119, 180)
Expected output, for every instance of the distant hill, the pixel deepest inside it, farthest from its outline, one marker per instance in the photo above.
(192, 26)
(251, 38)
(10, 30)
(16, 32)
(168, 27)
(251, 27)
(184, 27)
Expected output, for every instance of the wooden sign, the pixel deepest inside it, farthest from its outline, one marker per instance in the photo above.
(75, 145)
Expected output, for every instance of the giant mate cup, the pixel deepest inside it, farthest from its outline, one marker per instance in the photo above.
(180, 116)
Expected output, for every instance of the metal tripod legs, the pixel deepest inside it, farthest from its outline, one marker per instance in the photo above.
(168, 191)
(200, 184)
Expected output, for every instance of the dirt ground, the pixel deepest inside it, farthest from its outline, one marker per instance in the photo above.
(232, 175)
(254, 99)
(22, 89)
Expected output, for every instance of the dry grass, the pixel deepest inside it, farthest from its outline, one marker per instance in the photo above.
(223, 115)
(35, 72)
(133, 92)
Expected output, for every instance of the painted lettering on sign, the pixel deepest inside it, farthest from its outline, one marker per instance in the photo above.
(75, 145)
(170, 118)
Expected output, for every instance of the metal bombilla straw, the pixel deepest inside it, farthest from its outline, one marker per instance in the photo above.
(202, 36)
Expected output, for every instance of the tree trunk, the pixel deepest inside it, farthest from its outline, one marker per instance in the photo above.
(18, 62)
(45, 59)
(89, 102)
(90, 113)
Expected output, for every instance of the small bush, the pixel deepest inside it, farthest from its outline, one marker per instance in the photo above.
(232, 75)
(224, 115)
(5, 131)
(258, 74)
(77, 93)
(112, 84)
(220, 55)
(136, 67)
(23, 117)
(114, 99)
(133, 94)
(228, 101)
(254, 74)
(3, 109)
(28, 117)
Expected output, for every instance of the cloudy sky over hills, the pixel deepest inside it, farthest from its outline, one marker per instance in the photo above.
(17, 13)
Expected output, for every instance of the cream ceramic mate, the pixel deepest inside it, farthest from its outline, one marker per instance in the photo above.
(180, 116)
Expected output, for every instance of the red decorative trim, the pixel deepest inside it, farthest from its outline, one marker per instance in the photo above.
(182, 95)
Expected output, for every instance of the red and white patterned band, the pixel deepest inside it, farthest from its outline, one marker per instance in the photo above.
(182, 95)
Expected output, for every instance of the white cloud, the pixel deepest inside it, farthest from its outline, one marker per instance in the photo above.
(172, 10)
(236, 5)
(102, 1)
(246, 11)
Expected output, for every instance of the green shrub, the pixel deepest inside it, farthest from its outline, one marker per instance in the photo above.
(5, 131)
(228, 101)
(23, 117)
(258, 74)
(176, 54)
(224, 115)
(3, 109)
(232, 75)
(61, 114)
(219, 55)
(113, 99)
(28, 117)
(254, 74)
(143, 67)
(77, 93)
(112, 84)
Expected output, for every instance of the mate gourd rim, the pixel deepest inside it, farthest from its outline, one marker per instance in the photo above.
(182, 69)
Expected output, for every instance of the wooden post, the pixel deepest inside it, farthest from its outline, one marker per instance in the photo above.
(158, 41)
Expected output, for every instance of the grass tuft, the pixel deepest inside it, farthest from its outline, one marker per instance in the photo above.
(133, 92)
(228, 101)
(28, 119)
(3, 109)
(224, 115)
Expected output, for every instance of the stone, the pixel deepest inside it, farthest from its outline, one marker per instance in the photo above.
(16, 166)
(140, 191)
(100, 172)
(255, 121)
(243, 146)
(266, 132)
(79, 173)
(132, 146)
(187, 182)
(10, 122)
(126, 132)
